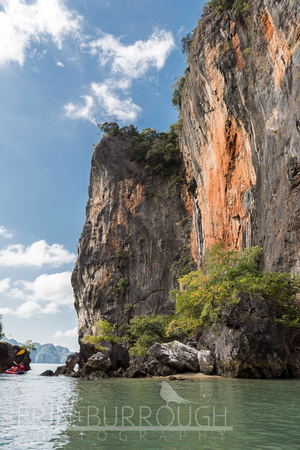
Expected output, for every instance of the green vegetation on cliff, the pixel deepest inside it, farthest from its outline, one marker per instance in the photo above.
(29, 346)
(177, 92)
(224, 273)
(144, 331)
(157, 151)
(104, 332)
(203, 294)
(240, 7)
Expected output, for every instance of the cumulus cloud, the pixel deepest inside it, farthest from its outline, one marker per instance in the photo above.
(23, 24)
(108, 98)
(4, 285)
(68, 333)
(134, 61)
(5, 233)
(83, 110)
(55, 290)
(4, 311)
(32, 308)
(125, 63)
(60, 64)
(37, 254)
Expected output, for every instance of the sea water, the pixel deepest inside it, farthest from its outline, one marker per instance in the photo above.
(208, 413)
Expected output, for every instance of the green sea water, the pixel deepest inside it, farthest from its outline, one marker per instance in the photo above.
(211, 413)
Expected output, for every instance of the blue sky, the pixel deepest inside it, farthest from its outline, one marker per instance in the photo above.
(66, 65)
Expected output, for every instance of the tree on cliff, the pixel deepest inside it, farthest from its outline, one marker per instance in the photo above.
(157, 151)
(239, 6)
(224, 273)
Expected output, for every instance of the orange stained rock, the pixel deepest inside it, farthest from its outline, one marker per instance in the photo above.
(189, 205)
(216, 79)
(279, 50)
(113, 241)
(132, 197)
(232, 26)
(228, 174)
(224, 153)
(236, 46)
(118, 216)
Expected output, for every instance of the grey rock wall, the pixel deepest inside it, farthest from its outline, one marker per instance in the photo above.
(134, 242)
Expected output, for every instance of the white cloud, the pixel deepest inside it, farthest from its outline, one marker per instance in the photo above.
(84, 110)
(28, 309)
(32, 308)
(37, 254)
(60, 64)
(22, 24)
(4, 311)
(105, 97)
(5, 233)
(4, 285)
(125, 64)
(134, 60)
(55, 288)
(124, 110)
(68, 333)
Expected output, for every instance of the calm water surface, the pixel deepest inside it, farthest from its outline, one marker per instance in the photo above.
(50, 413)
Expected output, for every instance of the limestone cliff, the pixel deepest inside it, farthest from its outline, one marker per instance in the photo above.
(240, 108)
(135, 240)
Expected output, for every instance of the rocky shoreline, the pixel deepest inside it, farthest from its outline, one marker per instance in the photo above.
(247, 344)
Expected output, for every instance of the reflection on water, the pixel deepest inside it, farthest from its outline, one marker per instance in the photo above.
(34, 410)
(211, 413)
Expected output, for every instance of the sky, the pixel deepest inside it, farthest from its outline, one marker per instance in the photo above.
(66, 66)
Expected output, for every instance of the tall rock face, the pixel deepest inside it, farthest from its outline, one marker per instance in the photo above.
(240, 142)
(240, 108)
(135, 240)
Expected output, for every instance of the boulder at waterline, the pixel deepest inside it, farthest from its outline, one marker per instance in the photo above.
(248, 344)
(175, 354)
(206, 362)
(99, 361)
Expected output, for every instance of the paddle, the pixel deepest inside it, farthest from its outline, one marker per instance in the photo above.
(20, 352)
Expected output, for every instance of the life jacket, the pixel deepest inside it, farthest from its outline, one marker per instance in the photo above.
(14, 369)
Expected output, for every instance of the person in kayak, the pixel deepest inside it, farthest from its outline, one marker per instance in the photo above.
(21, 367)
(18, 367)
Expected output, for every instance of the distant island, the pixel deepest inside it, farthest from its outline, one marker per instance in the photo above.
(45, 353)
